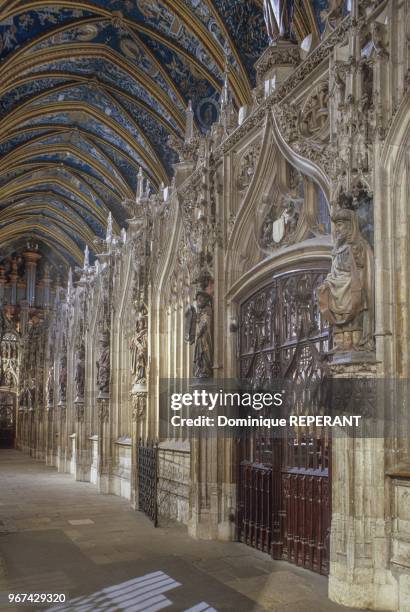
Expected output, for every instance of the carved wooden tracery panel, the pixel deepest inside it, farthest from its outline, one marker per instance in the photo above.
(283, 479)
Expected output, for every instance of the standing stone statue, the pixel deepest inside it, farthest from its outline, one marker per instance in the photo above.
(79, 377)
(103, 365)
(50, 387)
(138, 347)
(62, 379)
(346, 296)
(32, 394)
(201, 317)
(278, 16)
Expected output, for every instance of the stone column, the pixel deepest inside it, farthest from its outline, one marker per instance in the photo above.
(31, 259)
(360, 529)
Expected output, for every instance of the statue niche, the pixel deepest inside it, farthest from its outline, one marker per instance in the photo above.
(79, 377)
(103, 365)
(139, 349)
(346, 296)
(198, 330)
(280, 225)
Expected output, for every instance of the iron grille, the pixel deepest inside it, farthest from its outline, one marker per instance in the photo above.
(147, 469)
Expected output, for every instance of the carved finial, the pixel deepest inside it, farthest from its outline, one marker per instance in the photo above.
(228, 115)
(226, 97)
(109, 235)
(70, 284)
(86, 258)
(140, 185)
(189, 123)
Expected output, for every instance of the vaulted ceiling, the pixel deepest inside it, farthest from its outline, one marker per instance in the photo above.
(91, 90)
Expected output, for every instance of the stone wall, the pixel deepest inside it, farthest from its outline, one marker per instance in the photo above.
(174, 482)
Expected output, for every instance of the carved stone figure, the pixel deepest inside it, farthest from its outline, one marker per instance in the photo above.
(201, 318)
(50, 387)
(32, 394)
(62, 379)
(103, 364)
(278, 18)
(80, 374)
(138, 347)
(346, 296)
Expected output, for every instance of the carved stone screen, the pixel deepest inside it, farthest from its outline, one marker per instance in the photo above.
(284, 480)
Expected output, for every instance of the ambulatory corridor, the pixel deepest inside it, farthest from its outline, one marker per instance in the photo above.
(60, 536)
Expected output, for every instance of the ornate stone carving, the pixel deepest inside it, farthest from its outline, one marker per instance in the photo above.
(187, 151)
(79, 377)
(79, 411)
(103, 365)
(247, 166)
(306, 67)
(139, 349)
(346, 296)
(103, 410)
(138, 405)
(281, 54)
(314, 115)
(62, 380)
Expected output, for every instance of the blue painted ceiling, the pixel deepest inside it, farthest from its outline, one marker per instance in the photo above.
(91, 91)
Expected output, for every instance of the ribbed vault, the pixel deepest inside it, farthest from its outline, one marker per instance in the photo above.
(91, 91)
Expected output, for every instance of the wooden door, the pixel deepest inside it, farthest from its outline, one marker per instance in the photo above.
(284, 500)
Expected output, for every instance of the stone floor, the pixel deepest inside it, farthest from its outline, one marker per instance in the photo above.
(61, 536)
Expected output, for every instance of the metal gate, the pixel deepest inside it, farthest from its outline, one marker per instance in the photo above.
(284, 500)
(147, 471)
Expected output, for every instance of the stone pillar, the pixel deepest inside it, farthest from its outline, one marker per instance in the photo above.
(31, 259)
(104, 440)
(360, 529)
